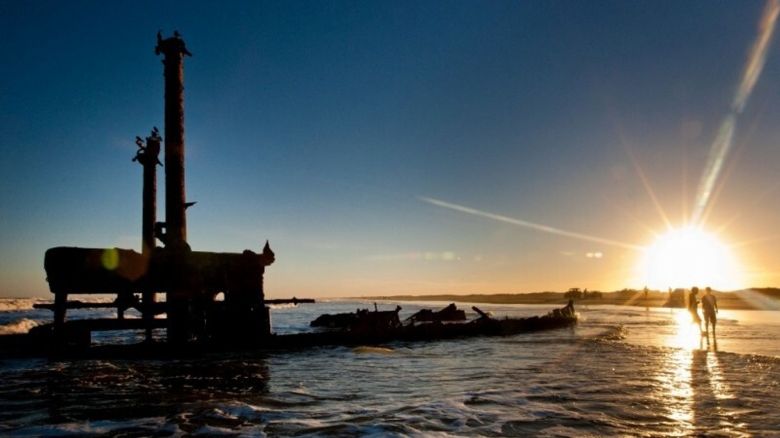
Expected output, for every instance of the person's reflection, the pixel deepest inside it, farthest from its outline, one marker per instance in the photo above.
(712, 396)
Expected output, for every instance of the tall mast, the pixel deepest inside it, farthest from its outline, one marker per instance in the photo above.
(173, 51)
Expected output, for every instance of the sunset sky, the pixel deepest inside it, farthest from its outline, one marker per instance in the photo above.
(399, 147)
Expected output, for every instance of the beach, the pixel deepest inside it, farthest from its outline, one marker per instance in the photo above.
(623, 370)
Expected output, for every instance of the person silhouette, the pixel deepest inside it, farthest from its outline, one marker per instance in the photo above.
(693, 306)
(709, 305)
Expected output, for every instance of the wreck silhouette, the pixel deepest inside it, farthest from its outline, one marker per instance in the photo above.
(195, 320)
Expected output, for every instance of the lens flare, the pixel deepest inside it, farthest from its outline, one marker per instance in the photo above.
(110, 259)
(725, 137)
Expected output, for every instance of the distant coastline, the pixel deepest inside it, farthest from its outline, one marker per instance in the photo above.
(748, 299)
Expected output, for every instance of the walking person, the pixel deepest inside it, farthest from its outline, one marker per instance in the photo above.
(709, 305)
(693, 306)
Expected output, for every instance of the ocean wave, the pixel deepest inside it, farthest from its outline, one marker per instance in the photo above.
(16, 304)
(21, 326)
(282, 306)
(21, 304)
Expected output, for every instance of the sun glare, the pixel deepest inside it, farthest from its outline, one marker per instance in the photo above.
(687, 257)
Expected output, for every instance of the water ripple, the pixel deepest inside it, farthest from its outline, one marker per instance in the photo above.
(612, 375)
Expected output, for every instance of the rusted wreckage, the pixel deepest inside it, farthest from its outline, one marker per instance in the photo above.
(361, 319)
(192, 280)
(377, 326)
(449, 313)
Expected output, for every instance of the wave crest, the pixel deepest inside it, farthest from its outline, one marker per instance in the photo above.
(21, 326)
(13, 304)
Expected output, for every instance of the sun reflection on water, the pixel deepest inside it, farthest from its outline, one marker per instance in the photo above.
(686, 334)
(674, 377)
(692, 381)
(720, 387)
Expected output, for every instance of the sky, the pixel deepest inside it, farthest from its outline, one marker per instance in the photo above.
(378, 146)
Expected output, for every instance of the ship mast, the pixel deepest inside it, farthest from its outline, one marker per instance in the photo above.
(173, 50)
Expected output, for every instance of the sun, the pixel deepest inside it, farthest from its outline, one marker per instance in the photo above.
(686, 257)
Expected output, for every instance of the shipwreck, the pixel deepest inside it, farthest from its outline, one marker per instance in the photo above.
(191, 315)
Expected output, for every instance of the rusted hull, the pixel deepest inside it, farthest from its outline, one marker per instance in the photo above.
(38, 346)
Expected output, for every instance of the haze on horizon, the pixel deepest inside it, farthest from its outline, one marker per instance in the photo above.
(399, 147)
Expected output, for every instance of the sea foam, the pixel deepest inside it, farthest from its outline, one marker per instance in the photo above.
(15, 304)
(21, 326)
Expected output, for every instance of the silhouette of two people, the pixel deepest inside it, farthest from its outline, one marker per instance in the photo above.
(709, 306)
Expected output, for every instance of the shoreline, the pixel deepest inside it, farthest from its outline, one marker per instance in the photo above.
(740, 300)
(748, 299)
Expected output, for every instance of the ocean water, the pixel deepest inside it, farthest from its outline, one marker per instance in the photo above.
(622, 371)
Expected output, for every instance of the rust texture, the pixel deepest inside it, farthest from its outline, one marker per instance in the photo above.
(148, 156)
(173, 50)
(180, 297)
(190, 280)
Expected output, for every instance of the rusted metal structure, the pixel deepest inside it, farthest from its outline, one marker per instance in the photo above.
(148, 156)
(190, 280)
(174, 50)
(179, 297)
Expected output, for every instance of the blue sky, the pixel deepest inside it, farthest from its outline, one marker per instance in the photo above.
(319, 125)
